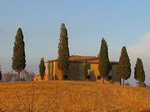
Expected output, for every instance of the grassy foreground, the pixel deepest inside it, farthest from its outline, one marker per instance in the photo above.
(72, 96)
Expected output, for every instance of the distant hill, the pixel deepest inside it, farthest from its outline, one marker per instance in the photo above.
(72, 96)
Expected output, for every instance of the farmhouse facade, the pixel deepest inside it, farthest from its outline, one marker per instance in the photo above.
(76, 69)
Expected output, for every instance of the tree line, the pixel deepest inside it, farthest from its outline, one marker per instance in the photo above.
(124, 65)
(123, 69)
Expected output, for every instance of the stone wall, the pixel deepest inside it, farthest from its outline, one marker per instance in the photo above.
(76, 71)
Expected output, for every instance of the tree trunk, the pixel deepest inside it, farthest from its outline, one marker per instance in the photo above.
(120, 81)
(18, 79)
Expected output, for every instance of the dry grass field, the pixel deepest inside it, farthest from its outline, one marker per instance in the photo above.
(72, 96)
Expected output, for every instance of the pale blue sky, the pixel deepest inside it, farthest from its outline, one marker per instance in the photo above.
(120, 22)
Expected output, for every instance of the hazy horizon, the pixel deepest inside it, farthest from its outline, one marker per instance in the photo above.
(121, 23)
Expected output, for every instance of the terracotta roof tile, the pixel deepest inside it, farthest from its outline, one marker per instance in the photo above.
(81, 59)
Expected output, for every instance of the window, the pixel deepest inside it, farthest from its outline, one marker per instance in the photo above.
(88, 66)
(65, 76)
(98, 77)
(109, 77)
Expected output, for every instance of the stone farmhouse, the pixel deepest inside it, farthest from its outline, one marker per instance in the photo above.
(76, 69)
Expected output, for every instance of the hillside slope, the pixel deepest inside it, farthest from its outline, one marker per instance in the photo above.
(72, 96)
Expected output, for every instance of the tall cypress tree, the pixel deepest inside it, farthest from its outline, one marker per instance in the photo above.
(124, 66)
(139, 73)
(103, 60)
(18, 59)
(63, 50)
(42, 68)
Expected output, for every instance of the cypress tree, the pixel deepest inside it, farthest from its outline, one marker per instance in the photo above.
(124, 66)
(103, 60)
(63, 50)
(18, 59)
(42, 68)
(139, 73)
